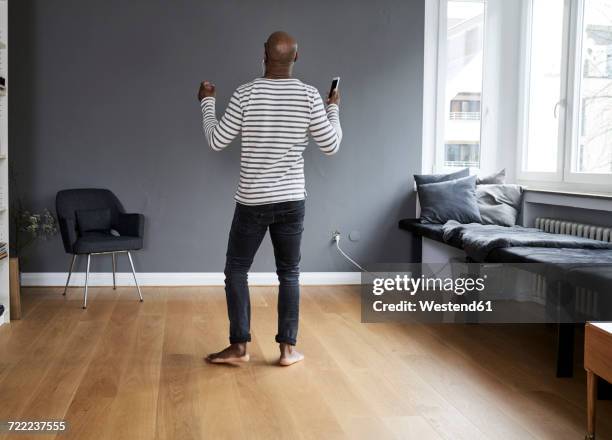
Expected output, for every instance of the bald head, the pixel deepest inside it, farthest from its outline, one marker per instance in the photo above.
(281, 48)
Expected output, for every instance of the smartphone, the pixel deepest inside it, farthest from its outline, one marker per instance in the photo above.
(334, 86)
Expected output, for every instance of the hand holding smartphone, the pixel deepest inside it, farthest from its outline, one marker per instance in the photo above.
(334, 98)
(334, 86)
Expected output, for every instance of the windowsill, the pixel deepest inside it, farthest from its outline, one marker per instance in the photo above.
(538, 202)
(568, 189)
(563, 192)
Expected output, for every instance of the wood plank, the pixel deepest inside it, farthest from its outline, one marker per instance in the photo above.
(178, 399)
(88, 413)
(133, 412)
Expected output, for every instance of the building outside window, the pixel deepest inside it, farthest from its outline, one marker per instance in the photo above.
(460, 82)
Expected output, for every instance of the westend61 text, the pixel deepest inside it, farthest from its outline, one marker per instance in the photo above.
(432, 306)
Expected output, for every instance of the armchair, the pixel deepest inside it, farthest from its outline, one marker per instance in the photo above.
(93, 222)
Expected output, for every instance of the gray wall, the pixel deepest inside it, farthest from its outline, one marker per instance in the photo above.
(103, 95)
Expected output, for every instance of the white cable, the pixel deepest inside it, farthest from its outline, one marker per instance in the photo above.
(345, 255)
(337, 240)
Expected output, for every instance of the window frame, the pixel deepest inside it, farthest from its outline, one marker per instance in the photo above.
(575, 98)
(568, 105)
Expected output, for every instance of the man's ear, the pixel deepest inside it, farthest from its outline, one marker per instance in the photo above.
(296, 57)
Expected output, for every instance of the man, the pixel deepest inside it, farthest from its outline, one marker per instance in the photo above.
(274, 115)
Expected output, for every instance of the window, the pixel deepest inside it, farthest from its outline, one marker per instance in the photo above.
(592, 152)
(460, 79)
(544, 91)
(567, 105)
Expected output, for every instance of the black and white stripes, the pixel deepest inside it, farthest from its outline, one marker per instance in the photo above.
(274, 117)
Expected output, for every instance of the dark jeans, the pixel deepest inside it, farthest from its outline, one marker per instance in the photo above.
(286, 223)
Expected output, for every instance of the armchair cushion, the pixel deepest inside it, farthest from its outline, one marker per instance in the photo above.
(93, 220)
(93, 242)
(130, 224)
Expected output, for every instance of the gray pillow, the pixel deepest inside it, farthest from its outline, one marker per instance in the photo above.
(93, 220)
(451, 200)
(422, 179)
(499, 204)
(492, 179)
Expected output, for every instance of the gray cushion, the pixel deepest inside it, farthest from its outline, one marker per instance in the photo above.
(492, 179)
(499, 204)
(90, 220)
(451, 200)
(423, 179)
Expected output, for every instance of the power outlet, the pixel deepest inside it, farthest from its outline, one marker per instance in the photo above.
(336, 236)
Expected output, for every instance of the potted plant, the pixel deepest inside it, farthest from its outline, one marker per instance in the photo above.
(28, 227)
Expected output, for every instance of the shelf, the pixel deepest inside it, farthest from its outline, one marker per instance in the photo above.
(4, 178)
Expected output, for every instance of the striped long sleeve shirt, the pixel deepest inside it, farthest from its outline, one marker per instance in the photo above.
(274, 118)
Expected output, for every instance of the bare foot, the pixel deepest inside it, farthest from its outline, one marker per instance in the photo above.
(235, 353)
(289, 355)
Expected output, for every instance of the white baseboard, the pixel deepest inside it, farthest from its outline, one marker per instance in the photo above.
(39, 279)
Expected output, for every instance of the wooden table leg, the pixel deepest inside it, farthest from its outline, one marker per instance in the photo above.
(14, 289)
(565, 350)
(591, 401)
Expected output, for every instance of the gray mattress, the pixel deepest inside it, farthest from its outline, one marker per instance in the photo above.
(589, 268)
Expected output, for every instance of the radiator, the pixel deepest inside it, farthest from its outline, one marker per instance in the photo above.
(558, 226)
(586, 300)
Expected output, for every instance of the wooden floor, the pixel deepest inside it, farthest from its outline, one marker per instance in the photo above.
(129, 370)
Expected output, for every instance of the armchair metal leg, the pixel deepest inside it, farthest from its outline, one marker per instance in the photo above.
(86, 281)
(114, 270)
(134, 273)
(74, 256)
